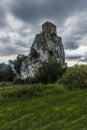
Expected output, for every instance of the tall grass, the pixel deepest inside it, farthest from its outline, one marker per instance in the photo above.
(28, 91)
(42, 107)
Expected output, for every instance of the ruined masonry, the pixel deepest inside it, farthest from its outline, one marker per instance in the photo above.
(46, 46)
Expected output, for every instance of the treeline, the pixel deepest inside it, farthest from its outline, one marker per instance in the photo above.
(49, 72)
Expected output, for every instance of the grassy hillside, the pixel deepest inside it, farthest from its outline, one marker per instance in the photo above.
(42, 107)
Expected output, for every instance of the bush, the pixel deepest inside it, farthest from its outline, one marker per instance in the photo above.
(2, 84)
(75, 76)
(6, 73)
(49, 71)
(18, 81)
(30, 80)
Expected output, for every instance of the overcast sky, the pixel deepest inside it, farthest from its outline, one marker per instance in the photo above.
(21, 20)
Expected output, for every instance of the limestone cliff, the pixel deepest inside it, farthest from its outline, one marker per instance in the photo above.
(46, 46)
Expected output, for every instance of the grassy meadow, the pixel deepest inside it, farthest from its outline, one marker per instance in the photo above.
(42, 107)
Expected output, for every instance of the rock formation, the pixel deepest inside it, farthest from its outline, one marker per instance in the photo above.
(46, 46)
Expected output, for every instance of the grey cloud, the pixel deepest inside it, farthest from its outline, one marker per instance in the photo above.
(9, 47)
(11, 50)
(5, 40)
(71, 45)
(8, 50)
(3, 21)
(81, 26)
(21, 43)
(74, 57)
(31, 12)
(84, 59)
(77, 35)
(34, 11)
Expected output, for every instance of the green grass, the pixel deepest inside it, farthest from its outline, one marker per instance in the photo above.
(42, 107)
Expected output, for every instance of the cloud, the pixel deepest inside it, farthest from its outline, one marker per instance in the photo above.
(20, 20)
(12, 50)
(22, 43)
(4, 40)
(84, 59)
(74, 31)
(71, 45)
(74, 57)
(34, 11)
(3, 21)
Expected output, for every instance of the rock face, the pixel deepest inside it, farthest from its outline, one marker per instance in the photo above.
(11, 63)
(46, 46)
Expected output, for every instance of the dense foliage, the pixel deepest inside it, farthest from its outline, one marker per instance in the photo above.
(75, 76)
(49, 71)
(6, 73)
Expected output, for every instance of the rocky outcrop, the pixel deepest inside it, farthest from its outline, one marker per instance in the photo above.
(46, 46)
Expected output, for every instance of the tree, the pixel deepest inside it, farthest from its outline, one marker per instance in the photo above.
(9, 74)
(6, 73)
(49, 71)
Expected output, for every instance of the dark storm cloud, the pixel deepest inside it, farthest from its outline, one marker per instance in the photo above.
(31, 13)
(77, 32)
(71, 45)
(3, 21)
(34, 11)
